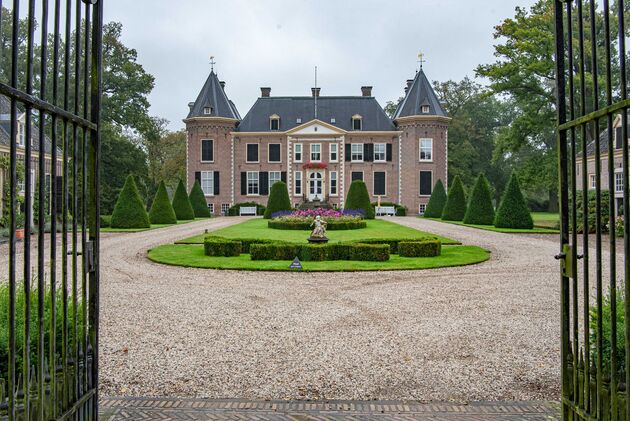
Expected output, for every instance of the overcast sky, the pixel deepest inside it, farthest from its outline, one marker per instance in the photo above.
(278, 43)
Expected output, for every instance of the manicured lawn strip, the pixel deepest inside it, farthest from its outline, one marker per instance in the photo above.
(257, 228)
(153, 226)
(535, 230)
(192, 255)
(546, 219)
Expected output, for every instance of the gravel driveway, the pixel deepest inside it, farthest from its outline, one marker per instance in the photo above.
(484, 332)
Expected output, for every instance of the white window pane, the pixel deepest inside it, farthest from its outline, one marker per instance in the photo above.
(207, 182)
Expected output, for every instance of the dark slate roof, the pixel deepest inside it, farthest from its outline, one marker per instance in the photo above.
(420, 93)
(5, 128)
(341, 108)
(213, 95)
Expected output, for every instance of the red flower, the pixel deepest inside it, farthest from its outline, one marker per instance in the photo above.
(316, 165)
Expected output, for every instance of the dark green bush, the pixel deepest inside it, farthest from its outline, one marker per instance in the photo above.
(162, 211)
(436, 202)
(480, 209)
(513, 211)
(606, 330)
(314, 252)
(394, 242)
(234, 210)
(217, 246)
(419, 248)
(400, 209)
(369, 252)
(181, 204)
(317, 252)
(198, 201)
(592, 211)
(246, 242)
(274, 251)
(359, 199)
(455, 207)
(278, 199)
(106, 221)
(306, 226)
(129, 211)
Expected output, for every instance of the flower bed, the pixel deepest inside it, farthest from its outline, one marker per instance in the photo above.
(302, 219)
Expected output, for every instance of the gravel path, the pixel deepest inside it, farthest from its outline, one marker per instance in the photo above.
(484, 332)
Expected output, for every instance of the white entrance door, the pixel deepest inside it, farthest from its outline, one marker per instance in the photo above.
(315, 183)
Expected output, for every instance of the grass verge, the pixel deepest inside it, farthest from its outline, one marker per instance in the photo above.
(535, 230)
(153, 226)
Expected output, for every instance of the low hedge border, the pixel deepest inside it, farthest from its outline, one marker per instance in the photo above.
(245, 242)
(394, 242)
(431, 248)
(306, 226)
(320, 252)
(224, 247)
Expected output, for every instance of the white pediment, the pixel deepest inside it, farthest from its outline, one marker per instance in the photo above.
(315, 127)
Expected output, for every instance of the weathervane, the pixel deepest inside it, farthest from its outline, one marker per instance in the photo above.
(421, 59)
(212, 63)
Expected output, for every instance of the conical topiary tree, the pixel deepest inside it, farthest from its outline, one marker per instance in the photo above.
(436, 202)
(513, 211)
(480, 209)
(359, 199)
(278, 199)
(455, 207)
(129, 211)
(181, 204)
(162, 211)
(198, 201)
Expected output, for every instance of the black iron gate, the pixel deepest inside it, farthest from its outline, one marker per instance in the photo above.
(592, 105)
(50, 98)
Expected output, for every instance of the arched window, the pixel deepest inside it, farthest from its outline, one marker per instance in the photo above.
(357, 122)
(274, 122)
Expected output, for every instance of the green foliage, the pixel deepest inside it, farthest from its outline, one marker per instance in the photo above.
(106, 221)
(333, 225)
(129, 211)
(245, 242)
(278, 199)
(162, 211)
(359, 198)
(480, 209)
(235, 209)
(419, 248)
(198, 201)
(592, 211)
(455, 207)
(513, 211)
(369, 252)
(217, 246)
(274, 251)
(606, 332)
(181, 204)
(319, 252)
(435, 207)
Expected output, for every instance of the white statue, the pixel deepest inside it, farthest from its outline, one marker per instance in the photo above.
(320, 228)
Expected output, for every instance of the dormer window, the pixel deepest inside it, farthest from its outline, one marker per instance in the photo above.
(298, 120)
(207, 110)
(425, 109)
(333, 120)
(357, 121)
(274, 122)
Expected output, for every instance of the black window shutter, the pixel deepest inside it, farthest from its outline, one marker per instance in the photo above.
(379, 183)
(348, 152)
(618, 138)
(264, 183)
(426, 183)
(283, 176)
(216, 183)
(59, 194)
(243, 183)
(388, 152)
(198, 176)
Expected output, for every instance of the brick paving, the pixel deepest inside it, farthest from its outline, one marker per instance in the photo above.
(115, 409)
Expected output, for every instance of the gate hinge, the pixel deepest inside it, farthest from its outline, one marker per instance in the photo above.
(89, 256)
(566, 261)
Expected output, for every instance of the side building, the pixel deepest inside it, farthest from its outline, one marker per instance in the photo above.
(318, 145)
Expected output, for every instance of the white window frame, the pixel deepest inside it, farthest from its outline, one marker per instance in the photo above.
(360, 119)
(384, 145)
(333, 148)
(295, 152)
(255, 190)
(269, 153)
(201, 151)
(422, 208)
(362, 176)
(319, 145)
(297, 176)
(420, 149)
(277, 176)
(272, 118)
(426, 109)
(247, 153)
(352, 152)
(374, 184)
(618, 182)
(209, 178)
(334, 176)
(211, 207)
(592, 180)
(225, 208)
(207, 110)
(425, 195)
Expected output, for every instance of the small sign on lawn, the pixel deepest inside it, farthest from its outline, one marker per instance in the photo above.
(296, 264)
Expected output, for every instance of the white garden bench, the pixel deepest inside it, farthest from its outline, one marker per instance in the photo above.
(247, 210)
(385, 210)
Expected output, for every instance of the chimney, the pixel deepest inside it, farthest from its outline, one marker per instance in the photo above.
(191, 105)
(366, 90)
(315, 92)
(265, 92)
(222, 83)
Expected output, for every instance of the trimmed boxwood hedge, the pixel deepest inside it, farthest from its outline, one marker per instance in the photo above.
(436, 202)
(369, 252)
(513, 211)
(129, 211)
(181, 204)
(198, 201)
(274, 251)
(245, 242)
(224, 247)
(278, 199)
(419, 248)
(106, 221)
(480, 209)
(320, 252)
(455, 207)
(161, 210)
(234, 210)
(394, 242)
(358, 198)
(306, 226)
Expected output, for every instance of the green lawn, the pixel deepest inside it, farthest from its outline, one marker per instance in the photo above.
(535, 230)
(192, 255)
(257, 228)
(546, 219)
(153, 227)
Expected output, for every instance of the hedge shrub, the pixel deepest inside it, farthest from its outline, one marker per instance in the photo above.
(320, 252)
(359, 198)
(400, 209)
(592, 211)
(106, 221)
(198, 201)
(245, 242)
(513, 211)
(431, 248)
(455, 207)
(161, 210)
(369, 252)
(181, 204)
(224, 247)
(234, 210)
(129, 211)
(278, 199)
(274, 251)
(480, 209)
(436, 202)
(306, 226)
(394, 242)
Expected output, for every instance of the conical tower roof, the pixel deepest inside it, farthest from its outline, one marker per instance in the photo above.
(212, 101)
(420, 94)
